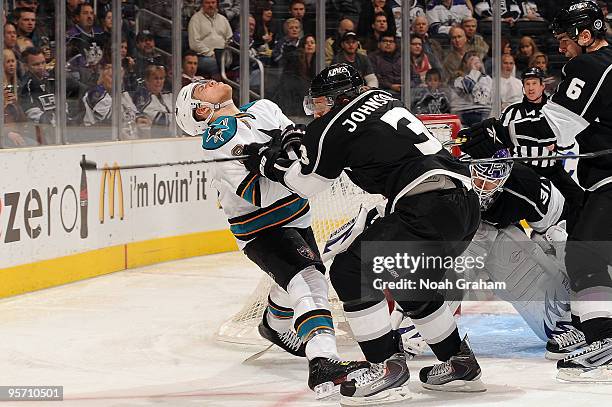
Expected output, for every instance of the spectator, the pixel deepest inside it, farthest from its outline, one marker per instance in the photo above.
(25, 22)
(154, 102)
(432, 99)
(540, 60)
(379, 27)
(506, 49)
(431, 47)
(292, 28)
(146, 53)
(232, 63)
(231, 10)
(360, 62)
(386, 62)
(527, 48)
(419, 62)
(13, 113)
(444, 14)
(37, 94)
(510, 11)
(452, 62)
(130, 79)
(71, 12)
(332, 44)
(417, 9)
(266, 30)
(471, 97)
(190, 68)
(368, 13)
(85, 43)
(297, 10)
(475, 42)
(10, 39)
(529, 11)
(510, 87)
(298, 72)
(24, 43)
(106, 24)
(45, 18)
(98, 105)
(208, 30)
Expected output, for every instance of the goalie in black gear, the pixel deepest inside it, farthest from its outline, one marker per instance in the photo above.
(385, 150)
(581, 111)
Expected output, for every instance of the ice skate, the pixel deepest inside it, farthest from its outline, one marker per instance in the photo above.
(288, 340)
(461, 373)
(562, 344)
(326, 375)
(384, 383)
(589, 364)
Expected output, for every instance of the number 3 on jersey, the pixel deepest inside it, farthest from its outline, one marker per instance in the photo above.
(424, 140)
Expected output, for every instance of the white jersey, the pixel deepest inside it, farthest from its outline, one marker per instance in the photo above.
(251, 202)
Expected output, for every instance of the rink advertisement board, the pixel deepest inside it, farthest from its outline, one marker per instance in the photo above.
(50, 207)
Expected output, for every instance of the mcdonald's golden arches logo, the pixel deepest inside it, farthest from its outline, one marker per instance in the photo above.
(110, 174)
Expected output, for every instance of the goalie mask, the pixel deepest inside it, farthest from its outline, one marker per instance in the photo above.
(186, 106)
(336, 84)
(488, 179)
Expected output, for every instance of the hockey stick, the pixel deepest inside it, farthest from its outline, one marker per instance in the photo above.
(89, 165)
(539, 158)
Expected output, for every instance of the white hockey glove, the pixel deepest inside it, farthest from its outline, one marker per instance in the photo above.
(340, 239)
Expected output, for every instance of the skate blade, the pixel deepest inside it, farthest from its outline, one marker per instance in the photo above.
(555, 356)
(329, 390)
(257, 355)
(458, 386)
(601, 374)
(385, 397)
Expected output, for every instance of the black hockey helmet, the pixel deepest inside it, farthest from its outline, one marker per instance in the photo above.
(533, 73)
(338, 83)
(583, 15)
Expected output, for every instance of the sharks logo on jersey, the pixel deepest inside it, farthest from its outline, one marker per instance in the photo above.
(219, 133)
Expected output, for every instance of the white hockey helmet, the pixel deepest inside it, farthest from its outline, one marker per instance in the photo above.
(488, 178)
(186, 105)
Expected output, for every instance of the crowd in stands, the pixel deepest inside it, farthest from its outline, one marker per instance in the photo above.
(450, 55)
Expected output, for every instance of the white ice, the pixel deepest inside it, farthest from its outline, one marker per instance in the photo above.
(145, 337)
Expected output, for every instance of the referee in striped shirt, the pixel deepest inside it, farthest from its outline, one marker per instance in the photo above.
(542, 145)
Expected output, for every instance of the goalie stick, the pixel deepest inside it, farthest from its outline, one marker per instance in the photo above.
(89, 165)
(538, 158)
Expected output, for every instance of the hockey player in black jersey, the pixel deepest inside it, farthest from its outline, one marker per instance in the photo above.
(385, 150)
(581, 111)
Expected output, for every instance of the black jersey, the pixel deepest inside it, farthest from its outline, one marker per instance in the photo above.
(528, 196)
(581, 110)
(383, 148)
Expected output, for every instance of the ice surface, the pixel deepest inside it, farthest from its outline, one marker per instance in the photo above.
(144, 337)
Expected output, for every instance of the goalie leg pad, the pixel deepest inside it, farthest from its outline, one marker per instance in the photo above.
(536, 283)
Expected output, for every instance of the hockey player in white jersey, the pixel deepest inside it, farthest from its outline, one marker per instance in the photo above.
(271, 225)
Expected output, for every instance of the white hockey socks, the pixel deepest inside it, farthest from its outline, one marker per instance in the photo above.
(308, 291)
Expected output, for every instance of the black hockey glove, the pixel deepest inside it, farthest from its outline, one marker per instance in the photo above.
(291, 137)
(483, 139)
(268, 160)
(491, 128)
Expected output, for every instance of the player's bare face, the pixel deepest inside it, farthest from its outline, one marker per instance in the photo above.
(533, 89)
(321, 106)
(212, 92)
(568, 47)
